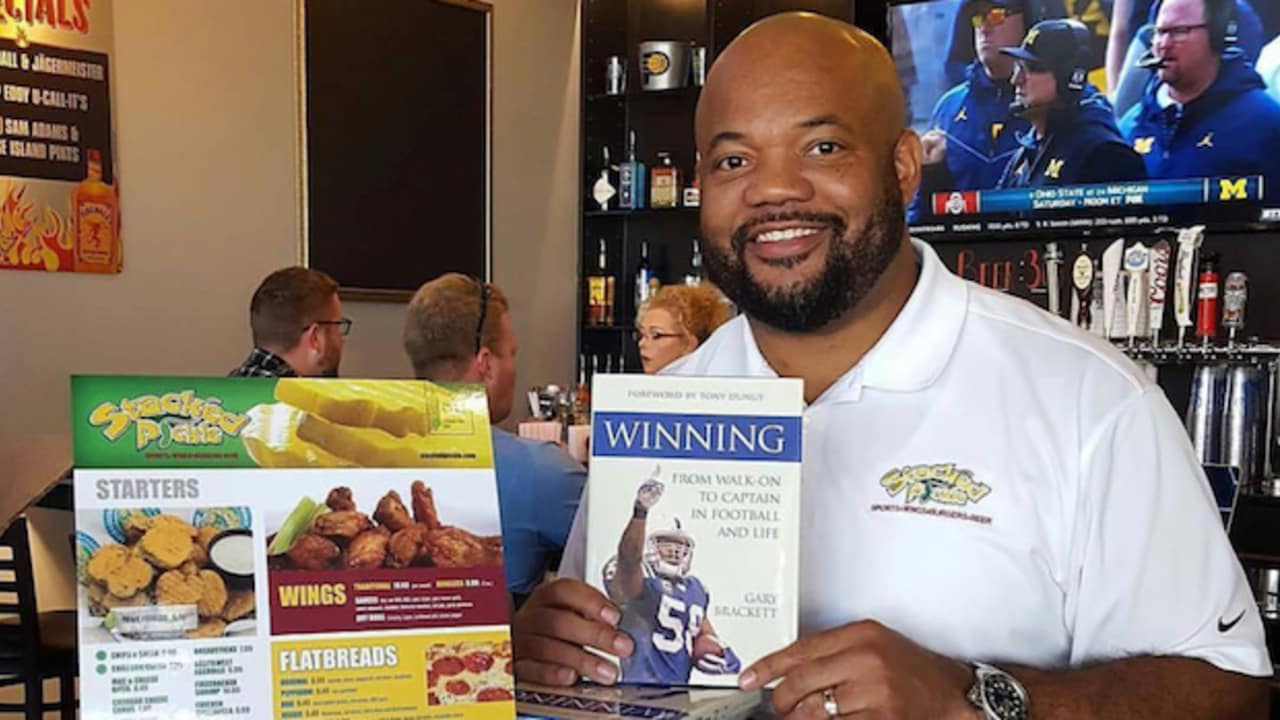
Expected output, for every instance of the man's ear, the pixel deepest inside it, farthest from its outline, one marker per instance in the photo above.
(908, 157)
(484, 364)
(311, 337)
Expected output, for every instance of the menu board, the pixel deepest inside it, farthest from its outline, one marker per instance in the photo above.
(59, 206)
(288, 548)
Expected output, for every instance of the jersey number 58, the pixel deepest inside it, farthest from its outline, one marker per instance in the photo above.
(677, 627)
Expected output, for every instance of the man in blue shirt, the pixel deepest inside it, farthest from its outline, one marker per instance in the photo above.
(458, 329)
(1206, 112)
(972, 133)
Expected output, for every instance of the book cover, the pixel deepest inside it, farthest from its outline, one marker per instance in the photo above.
(693, 520)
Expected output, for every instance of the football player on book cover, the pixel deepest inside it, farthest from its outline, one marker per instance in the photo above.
(664, 607)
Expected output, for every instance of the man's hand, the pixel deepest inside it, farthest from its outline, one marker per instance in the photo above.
(872, 671)
(554, 627)
(934, 144)
(649, 494)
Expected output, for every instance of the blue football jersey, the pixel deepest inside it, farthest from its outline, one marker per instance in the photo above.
(663, 622)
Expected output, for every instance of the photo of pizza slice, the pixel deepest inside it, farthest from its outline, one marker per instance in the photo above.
(469, 672)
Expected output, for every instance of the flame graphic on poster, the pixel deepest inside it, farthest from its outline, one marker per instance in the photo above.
(26, 244)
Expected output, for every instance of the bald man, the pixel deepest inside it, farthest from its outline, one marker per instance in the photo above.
(1002, 517)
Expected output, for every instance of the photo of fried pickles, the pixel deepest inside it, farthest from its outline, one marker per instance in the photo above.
(165, 560)
(336, 535)
(351, 423)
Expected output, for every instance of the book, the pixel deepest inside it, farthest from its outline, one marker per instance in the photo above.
(535, 702)
(690, 477)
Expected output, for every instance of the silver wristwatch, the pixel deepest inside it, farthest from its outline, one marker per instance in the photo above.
(998, 695)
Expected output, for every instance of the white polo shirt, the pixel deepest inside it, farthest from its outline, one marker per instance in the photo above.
(997, 485)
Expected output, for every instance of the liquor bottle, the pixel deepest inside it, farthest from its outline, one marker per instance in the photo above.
(631, 178)
(692, 194)
(694, 276)
(664, 188)
(581, 409)
(600, 290)
(645, 282)
(603, 190)
(95, 217)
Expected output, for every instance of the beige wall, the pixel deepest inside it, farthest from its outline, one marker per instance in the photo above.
(206, 128)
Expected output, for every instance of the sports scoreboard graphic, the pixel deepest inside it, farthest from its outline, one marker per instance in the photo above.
(1102, 196)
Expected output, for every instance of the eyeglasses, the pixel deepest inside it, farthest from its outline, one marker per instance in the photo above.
(344, 325)
(484, 312)
(993, 16)
(652, 334)
(1178, 33)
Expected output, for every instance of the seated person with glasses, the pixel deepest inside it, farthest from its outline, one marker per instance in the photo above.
(298, 327)
(458, 329)
(675, 321)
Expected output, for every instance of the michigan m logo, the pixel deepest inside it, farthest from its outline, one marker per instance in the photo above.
(1229, 189)
(1143, 145)
(1054, 170)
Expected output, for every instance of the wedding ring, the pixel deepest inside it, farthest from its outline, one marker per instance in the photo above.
(829, 704)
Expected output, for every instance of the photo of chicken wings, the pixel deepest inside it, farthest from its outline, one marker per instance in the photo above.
(424, 505)
(341, 526)
(337, 535)
(313, 552)
(340, 499)
(391, 512)
(368, 549)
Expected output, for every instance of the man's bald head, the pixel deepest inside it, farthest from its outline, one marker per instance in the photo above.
(805, 166)
(803, 47)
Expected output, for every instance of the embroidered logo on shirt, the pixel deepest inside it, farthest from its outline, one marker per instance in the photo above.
(1055, 168)
(1206, 141)
(995, 130)
(944, 483)
(1143, 145)
(939, 490)
(962, 115)
(1226, 626)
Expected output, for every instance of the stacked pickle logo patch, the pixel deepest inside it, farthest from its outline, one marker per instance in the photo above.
(943, 484)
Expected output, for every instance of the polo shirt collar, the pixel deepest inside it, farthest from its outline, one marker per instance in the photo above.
(910, 355)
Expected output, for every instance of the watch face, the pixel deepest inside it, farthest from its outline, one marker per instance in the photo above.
(1004, 699)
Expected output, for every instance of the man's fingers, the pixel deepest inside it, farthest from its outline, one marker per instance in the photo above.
(775, 665)
(568, 627)
(813, 678)
(770, 668)
(545, 654)
(581, 598)
(545, 673)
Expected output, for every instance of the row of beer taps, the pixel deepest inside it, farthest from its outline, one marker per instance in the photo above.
(1122, 296)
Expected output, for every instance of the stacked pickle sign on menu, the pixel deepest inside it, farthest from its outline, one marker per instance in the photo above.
(288, 548)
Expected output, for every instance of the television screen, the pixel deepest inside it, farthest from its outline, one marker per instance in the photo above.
(1074, 116)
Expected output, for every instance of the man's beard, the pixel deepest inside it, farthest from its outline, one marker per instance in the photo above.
(853, 266)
